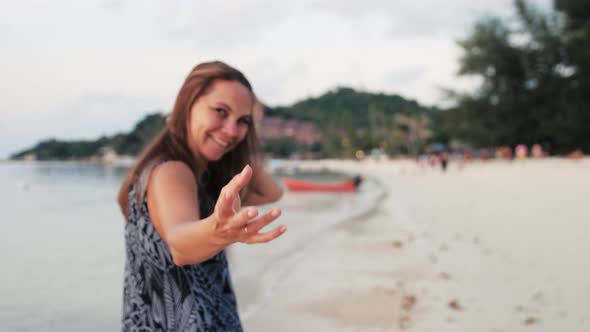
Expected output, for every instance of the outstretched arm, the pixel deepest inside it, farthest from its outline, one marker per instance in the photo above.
(174, 210)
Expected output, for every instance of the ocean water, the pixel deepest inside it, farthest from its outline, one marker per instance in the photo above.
(62, 246)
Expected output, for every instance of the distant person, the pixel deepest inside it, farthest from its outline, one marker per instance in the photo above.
(483, 155)
(508, 155)
(467, 156)
(503, 152)
(357, 180)
(521, 151)
(182, 204)
(498, 153)
(576, 155)
(444, 161)
(433, 160)
(537, 151)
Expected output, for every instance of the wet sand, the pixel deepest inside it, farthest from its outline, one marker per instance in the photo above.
(496, 246)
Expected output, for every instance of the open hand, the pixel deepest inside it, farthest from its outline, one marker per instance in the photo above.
(236, 225)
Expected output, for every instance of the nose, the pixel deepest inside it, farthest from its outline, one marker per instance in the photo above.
(231, 129)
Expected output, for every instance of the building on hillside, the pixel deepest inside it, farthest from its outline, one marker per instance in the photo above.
(276, 128)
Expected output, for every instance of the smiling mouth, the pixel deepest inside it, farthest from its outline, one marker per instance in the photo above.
(220, 142)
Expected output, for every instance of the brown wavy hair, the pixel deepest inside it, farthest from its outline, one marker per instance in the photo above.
(171, 143)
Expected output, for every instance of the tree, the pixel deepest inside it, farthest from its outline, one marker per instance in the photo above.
(534, 88)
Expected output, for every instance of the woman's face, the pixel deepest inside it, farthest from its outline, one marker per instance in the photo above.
(219, 119)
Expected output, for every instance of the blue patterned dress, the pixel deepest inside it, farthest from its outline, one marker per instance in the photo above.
(160, 296)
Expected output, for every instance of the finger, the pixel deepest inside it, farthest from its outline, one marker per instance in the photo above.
(238, 182)
(227, 196)
(266, 236)
(262, 221)
(241, 219)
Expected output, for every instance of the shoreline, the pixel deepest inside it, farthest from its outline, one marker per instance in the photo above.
(296, 249)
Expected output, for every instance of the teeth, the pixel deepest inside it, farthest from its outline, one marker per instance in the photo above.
(220, 142)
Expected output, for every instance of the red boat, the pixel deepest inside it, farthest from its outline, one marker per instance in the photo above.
(302, 185)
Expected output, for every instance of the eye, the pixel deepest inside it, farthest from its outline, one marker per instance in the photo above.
(222, 113)
(245, 120)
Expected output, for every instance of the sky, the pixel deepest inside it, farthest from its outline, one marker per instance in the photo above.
(82, 69)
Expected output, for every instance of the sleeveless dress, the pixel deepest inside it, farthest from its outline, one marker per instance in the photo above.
(160, 296)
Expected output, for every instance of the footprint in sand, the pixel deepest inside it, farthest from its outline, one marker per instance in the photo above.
(408, 302)
(397, 244)
(454, 304)
(444, 276)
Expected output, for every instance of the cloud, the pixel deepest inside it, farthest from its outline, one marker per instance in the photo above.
(228, 26)
(424, 17)
(398, 78)
(97, 115)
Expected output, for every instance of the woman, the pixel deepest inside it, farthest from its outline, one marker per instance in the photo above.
(182, 202)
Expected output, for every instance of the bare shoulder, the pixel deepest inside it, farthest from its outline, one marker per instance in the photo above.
(172, 180)
(172, 196)
(170, 172)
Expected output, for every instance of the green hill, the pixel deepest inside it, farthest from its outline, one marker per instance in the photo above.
(124, 143)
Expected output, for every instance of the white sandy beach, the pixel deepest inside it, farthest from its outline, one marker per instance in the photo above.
(496, 246)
